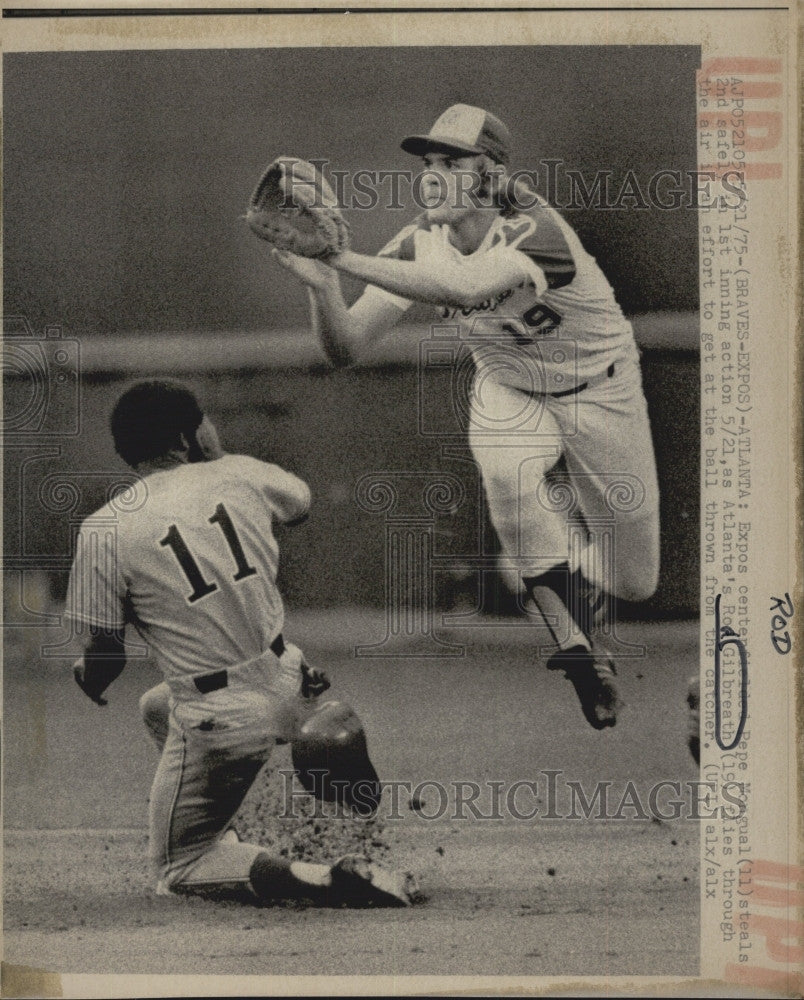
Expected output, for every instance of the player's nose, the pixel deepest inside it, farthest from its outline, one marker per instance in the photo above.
(433, 183)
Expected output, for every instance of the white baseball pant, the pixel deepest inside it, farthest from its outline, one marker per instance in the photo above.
(604, 434)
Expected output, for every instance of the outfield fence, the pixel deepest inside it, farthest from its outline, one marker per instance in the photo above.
(274, 396)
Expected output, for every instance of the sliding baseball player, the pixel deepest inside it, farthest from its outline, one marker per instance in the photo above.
(192, 570)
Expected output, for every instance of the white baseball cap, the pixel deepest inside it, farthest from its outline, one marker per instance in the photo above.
(466, 130)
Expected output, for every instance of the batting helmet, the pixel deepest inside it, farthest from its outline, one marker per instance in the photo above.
(331, 758)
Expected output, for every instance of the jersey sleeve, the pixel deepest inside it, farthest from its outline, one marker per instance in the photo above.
(545, 246)
(287, 496)
(503, 257)
(96, 593)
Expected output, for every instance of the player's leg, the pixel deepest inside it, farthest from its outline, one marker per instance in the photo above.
(612, 477)
(612, 471)
(201, 781)
(155, 712)
(516, 441)
(351, 880)
(569, 606)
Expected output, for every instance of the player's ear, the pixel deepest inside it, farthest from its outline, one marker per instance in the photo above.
(207, 440)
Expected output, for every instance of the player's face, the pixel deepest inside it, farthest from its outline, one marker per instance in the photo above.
(449, 186)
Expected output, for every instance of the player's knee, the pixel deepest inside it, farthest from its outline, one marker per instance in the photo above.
(637, 572)
(155, 709)
(170, 878)
(640, 583)
(501, 490)
(506, 499)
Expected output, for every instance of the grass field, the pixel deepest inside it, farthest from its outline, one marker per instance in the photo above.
(601, 897)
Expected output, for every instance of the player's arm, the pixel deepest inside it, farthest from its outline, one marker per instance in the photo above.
(288, 497)
(103, 661)
(97, 599)
(442, 280)
(344, 332)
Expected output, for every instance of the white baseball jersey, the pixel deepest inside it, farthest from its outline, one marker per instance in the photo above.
(562, 322)
(193, 567)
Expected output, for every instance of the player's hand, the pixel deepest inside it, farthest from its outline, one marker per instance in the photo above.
(79, 671)
(314, 682)
(314, 273)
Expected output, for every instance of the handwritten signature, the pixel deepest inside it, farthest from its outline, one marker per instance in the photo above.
(726, 636)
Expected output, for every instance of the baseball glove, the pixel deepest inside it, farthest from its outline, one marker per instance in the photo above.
(294, 208)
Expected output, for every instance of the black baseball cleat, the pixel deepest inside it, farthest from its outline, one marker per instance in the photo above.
(357, 882)
(593, 677)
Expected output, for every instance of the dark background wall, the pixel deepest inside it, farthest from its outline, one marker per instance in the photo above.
(126, 173)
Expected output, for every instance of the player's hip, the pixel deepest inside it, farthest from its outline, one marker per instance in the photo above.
(510, 413)
(557, 371)
(260, 691)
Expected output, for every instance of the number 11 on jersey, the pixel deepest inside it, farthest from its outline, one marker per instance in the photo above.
(201, 588)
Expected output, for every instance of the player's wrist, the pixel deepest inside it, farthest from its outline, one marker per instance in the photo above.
(341, 261)
(326, 291)
(328, 279)
(88, 682)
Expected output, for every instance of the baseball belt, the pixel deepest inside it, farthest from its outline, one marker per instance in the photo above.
(206, 683)
(580, 388)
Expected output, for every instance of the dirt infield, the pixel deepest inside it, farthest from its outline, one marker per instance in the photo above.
(538, 896)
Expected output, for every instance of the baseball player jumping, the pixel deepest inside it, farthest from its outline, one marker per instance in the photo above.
(193, 569)
(556, 373)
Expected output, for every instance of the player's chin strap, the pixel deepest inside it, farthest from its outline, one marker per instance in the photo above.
(569, 605)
